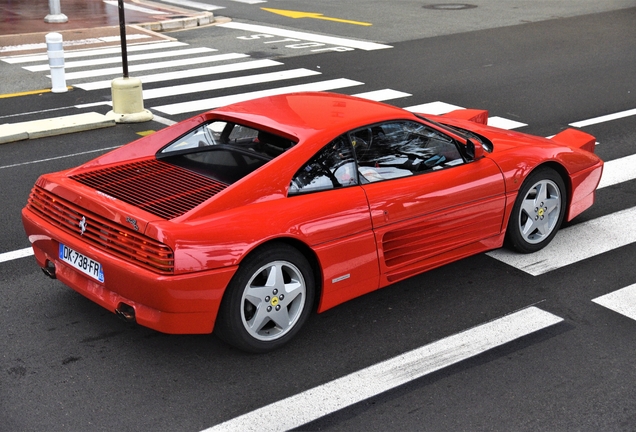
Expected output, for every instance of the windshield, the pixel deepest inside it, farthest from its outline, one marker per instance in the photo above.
(464, 133)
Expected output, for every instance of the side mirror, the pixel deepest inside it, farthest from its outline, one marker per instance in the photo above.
(474, 150)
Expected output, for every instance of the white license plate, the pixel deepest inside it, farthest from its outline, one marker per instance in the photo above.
(81, 262)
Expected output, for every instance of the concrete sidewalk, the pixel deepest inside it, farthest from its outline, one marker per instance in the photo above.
(91, 24)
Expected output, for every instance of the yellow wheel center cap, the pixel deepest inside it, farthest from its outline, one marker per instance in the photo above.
(274, 301)
(540, 212)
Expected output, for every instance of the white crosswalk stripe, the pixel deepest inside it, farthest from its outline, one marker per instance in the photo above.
(215, 102)
(130, 58)
(188, 73)
(115, 71)
(227, 83)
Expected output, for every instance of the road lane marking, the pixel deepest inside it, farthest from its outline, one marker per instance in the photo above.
(382, 95)
(331, 40)
(56, 158)
(76, 42)
(189, 73)
(439, 108)
(93, 52)
(622, 301)
(21, 253)
(601, 235)
(227, 83)
(131, 58)
(604, 118)
(433, 108)
(211, 103)
(313, 15)
(351, 389)
(194, 5)
(618, 171)
(136, 8)
(503, 123)
(153, 66)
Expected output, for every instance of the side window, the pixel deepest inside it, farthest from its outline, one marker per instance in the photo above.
(332, 167)
(402, 148)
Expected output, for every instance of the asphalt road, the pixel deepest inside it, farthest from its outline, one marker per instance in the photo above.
(67, 364)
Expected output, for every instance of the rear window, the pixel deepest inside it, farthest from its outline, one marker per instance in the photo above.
(224, 151)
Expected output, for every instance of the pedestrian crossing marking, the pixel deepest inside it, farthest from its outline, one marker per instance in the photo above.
(131, 58)
(94, 52)
(189, 73)
(305, 36)
(194, 5)
(382, 95)
(153, 66)
(602, 234)
(215, 102)
(622, 301)
(227, 83)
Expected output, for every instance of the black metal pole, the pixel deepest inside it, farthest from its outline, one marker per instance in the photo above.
(122, 35)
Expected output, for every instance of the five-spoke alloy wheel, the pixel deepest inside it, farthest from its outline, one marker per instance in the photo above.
(268, 299)
(538, 211)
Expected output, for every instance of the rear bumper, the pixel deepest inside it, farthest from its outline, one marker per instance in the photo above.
(179, 304)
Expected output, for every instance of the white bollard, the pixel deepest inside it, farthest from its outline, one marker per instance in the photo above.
(55, 52)
(56, 15)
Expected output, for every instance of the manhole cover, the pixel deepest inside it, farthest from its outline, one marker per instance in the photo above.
(449, 6)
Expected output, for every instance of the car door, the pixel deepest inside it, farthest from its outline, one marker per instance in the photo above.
(430, 204)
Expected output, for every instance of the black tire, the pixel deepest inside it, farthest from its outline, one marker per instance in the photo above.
(268, 300)
(538, 211)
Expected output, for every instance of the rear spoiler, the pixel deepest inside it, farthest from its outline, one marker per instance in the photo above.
(473, 115)
(575, 138)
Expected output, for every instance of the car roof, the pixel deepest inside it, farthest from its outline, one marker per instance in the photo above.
(307, 113)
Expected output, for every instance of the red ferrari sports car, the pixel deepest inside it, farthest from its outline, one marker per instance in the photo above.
(243, 220)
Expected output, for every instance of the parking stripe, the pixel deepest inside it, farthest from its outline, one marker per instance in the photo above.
(374, 380)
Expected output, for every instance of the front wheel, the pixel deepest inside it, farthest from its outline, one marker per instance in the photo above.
(538, 211)
(268, 300)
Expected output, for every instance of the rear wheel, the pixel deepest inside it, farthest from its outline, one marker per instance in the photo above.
(538, 211)
(268, 299)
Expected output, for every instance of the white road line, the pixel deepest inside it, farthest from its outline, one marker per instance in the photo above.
(208, 104)
(618, 171)
(153, 66)
(57, 157)
(503, 123)
(439, 108)
(598, 235)
(131, 58)
(190, 73)
(10, 256)
(622, 301)
(331, 40)
(433, 108)
(193, 5)
(136, 8)
(94, 52)
(328, 398)
(605, 118)
(76, 42)
(383, 95)
(227, 83)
